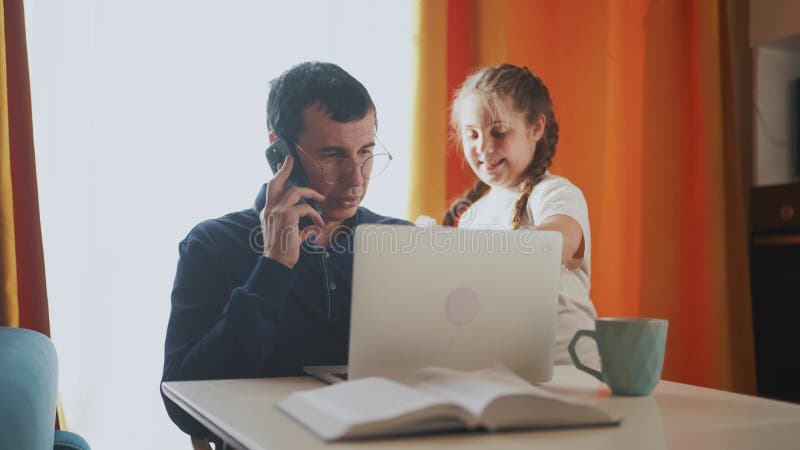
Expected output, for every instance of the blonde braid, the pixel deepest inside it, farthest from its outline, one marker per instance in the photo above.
(521, 204)
(461, 204)
(542, 158)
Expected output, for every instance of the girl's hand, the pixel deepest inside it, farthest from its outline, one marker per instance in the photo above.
(425, 221)
(574, 245)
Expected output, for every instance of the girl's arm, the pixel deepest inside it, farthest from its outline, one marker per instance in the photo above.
(572, 251)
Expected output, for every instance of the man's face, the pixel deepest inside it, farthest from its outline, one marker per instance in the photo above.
(323, 140)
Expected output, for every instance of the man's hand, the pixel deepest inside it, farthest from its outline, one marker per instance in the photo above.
(281, 215)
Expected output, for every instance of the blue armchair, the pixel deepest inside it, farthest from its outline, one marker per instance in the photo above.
(28, 387)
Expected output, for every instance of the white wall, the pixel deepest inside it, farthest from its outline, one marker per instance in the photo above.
(149, 117)
(774, 157)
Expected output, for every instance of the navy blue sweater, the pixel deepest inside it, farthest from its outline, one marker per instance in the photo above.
(238, 314)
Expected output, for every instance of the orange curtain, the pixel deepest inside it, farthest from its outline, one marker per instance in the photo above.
(24, 295)
(642, 93)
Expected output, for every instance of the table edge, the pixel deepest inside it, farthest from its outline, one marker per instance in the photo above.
(199, 416)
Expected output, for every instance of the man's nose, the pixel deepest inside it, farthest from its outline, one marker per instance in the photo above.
(356, 178)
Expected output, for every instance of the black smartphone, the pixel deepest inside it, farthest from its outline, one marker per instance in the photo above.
(276, 154)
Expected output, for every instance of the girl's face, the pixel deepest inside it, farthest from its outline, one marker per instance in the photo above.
(498, 149)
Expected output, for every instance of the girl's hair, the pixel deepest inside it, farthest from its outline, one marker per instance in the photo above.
(530, 97)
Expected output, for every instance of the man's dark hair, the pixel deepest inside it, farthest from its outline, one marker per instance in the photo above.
(340, 95)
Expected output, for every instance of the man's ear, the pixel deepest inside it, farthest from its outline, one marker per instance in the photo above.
(538, 127)
(272, 137)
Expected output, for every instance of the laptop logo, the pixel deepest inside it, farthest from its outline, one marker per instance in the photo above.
(462, 306)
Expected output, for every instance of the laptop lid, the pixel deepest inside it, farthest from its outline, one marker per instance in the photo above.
(437, 296)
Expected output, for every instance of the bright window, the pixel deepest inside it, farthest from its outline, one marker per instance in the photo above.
(149, 117)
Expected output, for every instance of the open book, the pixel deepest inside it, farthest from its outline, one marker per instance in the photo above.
(436, 399)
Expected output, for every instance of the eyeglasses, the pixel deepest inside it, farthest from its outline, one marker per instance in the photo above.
(336, 169)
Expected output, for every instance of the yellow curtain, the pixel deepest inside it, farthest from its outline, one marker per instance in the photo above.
(642, 96)
(9, 309)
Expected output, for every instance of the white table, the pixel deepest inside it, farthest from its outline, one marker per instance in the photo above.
(676, 416)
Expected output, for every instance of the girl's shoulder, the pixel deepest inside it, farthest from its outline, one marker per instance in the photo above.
(555, 183)
(555, 189)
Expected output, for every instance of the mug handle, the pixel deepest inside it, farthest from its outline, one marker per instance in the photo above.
(581, 333)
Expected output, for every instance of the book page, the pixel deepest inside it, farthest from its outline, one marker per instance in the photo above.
(501, 399)
(472, 390)
(371, 406)
(527, 411)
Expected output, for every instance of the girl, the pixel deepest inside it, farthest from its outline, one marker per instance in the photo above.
(504, 120)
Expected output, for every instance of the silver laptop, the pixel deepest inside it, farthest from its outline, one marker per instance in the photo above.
(440, 296)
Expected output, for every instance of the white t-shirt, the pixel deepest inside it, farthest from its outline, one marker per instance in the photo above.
(553, 195)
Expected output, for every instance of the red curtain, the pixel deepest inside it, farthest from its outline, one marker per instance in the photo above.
(24, 293)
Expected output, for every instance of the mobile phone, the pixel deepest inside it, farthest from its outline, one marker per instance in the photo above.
(276, 154)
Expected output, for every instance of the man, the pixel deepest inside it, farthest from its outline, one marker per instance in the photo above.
(254, 294)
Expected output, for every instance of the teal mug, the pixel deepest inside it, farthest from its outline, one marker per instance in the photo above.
(631, 353)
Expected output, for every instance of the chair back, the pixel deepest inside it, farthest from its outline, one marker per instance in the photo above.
(28, 389)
